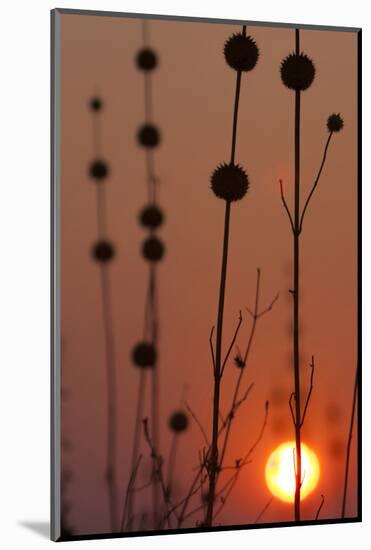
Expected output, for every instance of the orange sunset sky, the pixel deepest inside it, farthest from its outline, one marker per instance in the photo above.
(193, 94)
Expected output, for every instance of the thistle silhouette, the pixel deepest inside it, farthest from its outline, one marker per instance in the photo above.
(298, 73)
(145, 355)
(103, 252)
(230, 183)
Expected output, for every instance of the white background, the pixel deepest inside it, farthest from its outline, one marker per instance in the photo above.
(24, 267)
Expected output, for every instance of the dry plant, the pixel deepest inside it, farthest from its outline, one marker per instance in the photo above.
(103, 252)
(297, 74)
(349, 444)
(145, 354)
(230, 183)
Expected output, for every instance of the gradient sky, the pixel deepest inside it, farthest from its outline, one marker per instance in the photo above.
(193, 93)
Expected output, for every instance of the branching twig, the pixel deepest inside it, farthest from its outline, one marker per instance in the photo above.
(232, 343)
(264, 510)
(320, 507)
(315, 182)
(286, 207)
(350, 436)
(309, 393)
(198, 424)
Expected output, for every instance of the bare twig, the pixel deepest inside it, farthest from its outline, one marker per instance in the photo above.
(320, 507)
(309, 393)
(350, 436)
(315, 181)
(232, 343)
(128, 491)
(291, 409)
(265, 508)
(191, 412)
(212, 347)
(286, 207)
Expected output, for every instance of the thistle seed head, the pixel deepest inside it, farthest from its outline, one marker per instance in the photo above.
(335, 123)
(229, 182)
(241, 52)
(151, 216)
(148, 136)
(153, 249)
(144, 355)
(98, 169)
(297, 71)
(178, 422)
(103, 251)
(146, 59)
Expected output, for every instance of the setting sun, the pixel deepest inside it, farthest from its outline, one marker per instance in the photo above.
(280, 471)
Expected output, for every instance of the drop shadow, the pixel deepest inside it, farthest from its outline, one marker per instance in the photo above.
(42, 528)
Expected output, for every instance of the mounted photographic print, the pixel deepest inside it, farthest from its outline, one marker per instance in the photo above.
(205, 275)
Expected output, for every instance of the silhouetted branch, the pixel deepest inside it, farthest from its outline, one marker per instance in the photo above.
(309, 393)
(350, 436)
(129, 489)
(291, 409)
(315, 182)
(320, 507)
(198, 424)
(232, 343)
(212, 347)
(255, 314)
(286, 207)
(265, 508)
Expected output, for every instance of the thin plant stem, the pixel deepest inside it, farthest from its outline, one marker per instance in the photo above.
(349, 444)
(171, 462)
(217, 371)
(296, 296)
(213, 467)
(111, 469)
(130, 500)
(265, 508)
(320, 507)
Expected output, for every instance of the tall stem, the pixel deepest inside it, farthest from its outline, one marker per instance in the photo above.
(349, 443)
(217, 372)
(296, 297)
(109, 344)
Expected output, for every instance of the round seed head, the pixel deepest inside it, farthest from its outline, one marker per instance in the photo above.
(241, 52)
(98, 169)
(146, 59)
(151, 216)
(229, 182)
(153, 249)
(96, 104)
(178, 422)
(335, 123)
(297, 71)
(144, 355)
(149, 136)
(103, 251)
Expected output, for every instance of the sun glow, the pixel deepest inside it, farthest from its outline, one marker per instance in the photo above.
(280, 472)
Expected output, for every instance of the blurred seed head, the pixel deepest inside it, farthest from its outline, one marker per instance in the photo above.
(297, 71)
(178, 422)
(103, 251)
(144, 355)
(153, 249)
(98, 169)
(238, 361)
(335, 123)
(229, 182)
(146, 59)
(151, 216)
(241, 52)
(96, 104)
(148, 136)
(336, 448)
